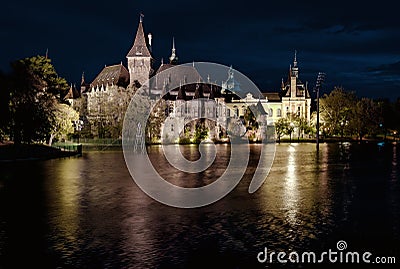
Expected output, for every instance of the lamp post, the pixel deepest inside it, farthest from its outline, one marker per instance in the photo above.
(320, 80)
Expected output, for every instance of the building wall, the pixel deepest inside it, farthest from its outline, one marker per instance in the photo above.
(139, 69)
(105, 109)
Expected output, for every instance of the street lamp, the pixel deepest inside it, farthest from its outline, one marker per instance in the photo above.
(318, 86)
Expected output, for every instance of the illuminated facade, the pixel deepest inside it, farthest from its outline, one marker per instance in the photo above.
(103, 102)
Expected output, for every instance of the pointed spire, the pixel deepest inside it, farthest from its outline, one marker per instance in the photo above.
(181, 92)
(173, 59)
(83, 78)
(295, 69)
(212, 93)
(162, 61)
(139, 47)
(230, 72)
(282, 84)
(198, 93)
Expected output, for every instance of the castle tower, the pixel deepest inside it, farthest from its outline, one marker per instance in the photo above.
(139, 58)
(295, 96)
(294, 75)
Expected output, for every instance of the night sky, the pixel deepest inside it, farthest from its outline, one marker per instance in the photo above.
(356, 44)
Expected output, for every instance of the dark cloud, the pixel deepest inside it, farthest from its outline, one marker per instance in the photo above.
(392, 69)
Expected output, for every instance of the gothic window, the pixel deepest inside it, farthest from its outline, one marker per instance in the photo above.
(279, 113)
(236, 110)
(270, 112)
(298, 111)
(172, 127)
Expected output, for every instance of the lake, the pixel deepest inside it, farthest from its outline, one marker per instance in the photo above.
(88, 213)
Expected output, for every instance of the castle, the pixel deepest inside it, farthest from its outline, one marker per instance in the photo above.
(103, 102)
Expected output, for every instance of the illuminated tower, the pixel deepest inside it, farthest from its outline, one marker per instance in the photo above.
(139, 58)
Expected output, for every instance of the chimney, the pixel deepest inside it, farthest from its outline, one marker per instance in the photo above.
(150, 38)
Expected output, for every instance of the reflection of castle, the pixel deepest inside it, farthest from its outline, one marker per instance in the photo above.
(103, 102)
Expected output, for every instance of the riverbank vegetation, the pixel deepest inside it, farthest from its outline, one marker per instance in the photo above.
(343, 114)
(32, 108)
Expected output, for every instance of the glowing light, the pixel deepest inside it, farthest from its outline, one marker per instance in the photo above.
(290, 190)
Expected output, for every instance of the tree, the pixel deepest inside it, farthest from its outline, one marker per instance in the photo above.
(390, 115)
(155, 122)
(336, 109)
(281, 127)
(366, 118)
(4, 106)
(64, 117)
(250, 119)
(35, 91)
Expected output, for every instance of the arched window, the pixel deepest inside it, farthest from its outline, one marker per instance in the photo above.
(279, 113)
(271, 113)
(236, 110)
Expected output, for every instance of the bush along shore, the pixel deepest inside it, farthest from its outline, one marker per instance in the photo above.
(29, 152)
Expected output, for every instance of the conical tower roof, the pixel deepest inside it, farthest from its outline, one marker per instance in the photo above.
(139, 47)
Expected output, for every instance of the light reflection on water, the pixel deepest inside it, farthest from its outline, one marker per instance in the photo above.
(88, 213)
(291, 192)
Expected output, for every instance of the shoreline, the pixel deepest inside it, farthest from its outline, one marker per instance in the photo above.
(11, 153)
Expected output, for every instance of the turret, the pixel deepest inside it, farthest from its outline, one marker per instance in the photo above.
(173, 59)
(139, 58)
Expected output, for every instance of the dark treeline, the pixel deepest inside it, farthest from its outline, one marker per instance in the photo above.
(344, 114)
(31, 106)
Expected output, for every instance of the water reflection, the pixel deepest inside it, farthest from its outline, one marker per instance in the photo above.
(291, 192)
(394, 173)
(65, 199)
(88, 213)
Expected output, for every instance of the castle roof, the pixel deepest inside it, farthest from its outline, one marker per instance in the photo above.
(260, 108)
(139, 48)
(164, 67)
(197, 89)
(272, 97)
(112, 75)
(72, 93)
